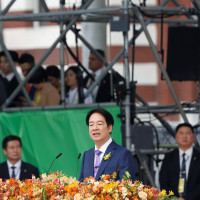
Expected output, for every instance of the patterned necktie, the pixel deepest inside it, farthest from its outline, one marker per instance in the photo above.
(97, 162)
(183, 175)
(13, 172)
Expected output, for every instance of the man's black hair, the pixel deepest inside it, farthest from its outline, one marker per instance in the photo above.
(38, 76)
(13, 54)
(185, 125)
(10, 138)
(52, 70)
(101, 52)
(27, 58)
(108, 117)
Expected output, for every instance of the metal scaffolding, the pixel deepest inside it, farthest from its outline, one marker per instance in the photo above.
(66, 19)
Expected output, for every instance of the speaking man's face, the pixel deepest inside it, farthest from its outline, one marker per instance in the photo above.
(98, 129)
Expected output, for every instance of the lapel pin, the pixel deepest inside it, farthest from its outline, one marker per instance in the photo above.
(107, 156)
(195, 158)
(25, 170)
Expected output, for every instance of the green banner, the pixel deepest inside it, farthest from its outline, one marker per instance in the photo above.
(47, 133)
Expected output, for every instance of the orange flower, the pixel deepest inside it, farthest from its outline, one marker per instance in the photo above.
(71, 189)
(49, 189)
(52, 197)
(12, 181)
(106, 177)
(90, 178)
(108, 197)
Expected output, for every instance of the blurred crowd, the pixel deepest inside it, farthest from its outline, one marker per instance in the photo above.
(44, 84)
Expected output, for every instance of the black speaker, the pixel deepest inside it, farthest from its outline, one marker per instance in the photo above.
(142, 138)
(183, 53)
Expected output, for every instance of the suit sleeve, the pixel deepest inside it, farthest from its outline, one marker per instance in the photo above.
(36, 172)
(164, 175)
(195, 194)
(81, 176)
(126, 163)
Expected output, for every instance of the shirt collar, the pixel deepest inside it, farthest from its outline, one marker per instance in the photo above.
(73, 91)
(10, 76)
(98, 72)
(188, 152)
(105, 146)
(17, 164)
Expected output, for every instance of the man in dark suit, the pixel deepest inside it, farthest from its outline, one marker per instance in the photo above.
(180, 171)
(102, 92)
(107, 157)
(14, 167)
(3, 95)
(9, 78)
(26, 62)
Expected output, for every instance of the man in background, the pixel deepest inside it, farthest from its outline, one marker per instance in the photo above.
(14, 167)
(53, 76)
(102, 92)
(180, 168)
(8, 76)
(26, 62)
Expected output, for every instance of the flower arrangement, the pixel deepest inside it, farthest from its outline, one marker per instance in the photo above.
(58, 186)
(107, 156)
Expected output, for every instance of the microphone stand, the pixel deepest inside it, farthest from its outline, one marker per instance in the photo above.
(53, 162)
(77, 164)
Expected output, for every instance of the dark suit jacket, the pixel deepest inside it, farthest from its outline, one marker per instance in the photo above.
(104, 93)
(169, 174)
(10, 86)
(26, 171)
(121, 160)
(3, 95)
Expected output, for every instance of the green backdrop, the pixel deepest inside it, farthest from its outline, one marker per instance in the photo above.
(47, 133)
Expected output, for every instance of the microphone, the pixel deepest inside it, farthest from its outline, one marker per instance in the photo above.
(60, 154)
(53, 162)
(77, 164)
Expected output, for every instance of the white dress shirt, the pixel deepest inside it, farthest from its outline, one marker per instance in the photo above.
(102, 149)
(10, 76)
(188, 157)
(17, 169)
(72, 97)
(97, 74)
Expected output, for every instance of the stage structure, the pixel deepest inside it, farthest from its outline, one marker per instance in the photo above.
(132, 14)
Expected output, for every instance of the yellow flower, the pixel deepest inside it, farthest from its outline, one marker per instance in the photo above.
(163, 193)
(109, 187)
(107, 156)
(127, 174)
(114, 175)
(171, 193)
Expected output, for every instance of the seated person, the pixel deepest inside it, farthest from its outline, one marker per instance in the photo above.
(53, 76)
(8, 77)
(26, 62)
(3, 95)
(102, 92)
(75, 90)
(46, 94)
(14, 167)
